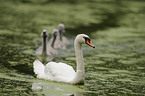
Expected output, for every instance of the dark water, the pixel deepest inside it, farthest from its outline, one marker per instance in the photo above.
(115, 67)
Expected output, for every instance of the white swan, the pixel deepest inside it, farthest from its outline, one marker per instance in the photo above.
(62, 72)
(46, 49)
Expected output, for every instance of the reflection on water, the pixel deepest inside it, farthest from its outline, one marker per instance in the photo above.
(56, 89)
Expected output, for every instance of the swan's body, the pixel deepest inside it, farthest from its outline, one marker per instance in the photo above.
(53, 71)
(62, 72)
(46, 49)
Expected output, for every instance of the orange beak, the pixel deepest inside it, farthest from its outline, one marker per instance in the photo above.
(90, 44)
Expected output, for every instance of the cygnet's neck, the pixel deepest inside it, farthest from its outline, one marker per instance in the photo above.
(44, 49)
(53, 41)
(60, 35)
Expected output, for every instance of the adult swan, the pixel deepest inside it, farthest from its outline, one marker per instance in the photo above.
(62, 72)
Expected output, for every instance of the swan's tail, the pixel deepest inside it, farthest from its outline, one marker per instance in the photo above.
(39, 69)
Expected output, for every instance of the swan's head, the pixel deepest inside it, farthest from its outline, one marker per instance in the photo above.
(44, 33)
(84, 39)
(54, 33)
(61, 27)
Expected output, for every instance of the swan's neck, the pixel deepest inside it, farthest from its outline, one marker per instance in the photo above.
(60, 35)
(80, 72)
(44, 41)
(53, 41)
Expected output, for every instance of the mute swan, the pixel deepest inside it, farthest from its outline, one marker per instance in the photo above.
(62, 72)
(61, 29)
(46, 49)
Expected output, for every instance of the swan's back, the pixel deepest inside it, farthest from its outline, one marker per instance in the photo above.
(59, 72)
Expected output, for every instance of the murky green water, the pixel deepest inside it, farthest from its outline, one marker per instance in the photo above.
(115, 67)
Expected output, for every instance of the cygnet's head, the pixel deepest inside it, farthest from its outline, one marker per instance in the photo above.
(61, 28)
(44, 34)
(84, 39)
(54, 32)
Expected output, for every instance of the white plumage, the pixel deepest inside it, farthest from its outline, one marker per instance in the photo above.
(39, 69)
(54, 71)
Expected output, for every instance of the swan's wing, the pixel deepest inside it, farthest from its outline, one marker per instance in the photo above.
(60, 71)
(39, 69)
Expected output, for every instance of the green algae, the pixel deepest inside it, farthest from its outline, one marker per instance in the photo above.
(115, 67)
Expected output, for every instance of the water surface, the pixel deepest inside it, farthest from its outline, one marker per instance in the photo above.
(115, 67)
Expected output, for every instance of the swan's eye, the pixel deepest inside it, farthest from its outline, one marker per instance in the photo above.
(87, 39)
(88, 42)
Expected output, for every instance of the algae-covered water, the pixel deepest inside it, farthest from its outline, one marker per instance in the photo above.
(115, 67)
